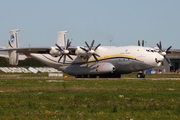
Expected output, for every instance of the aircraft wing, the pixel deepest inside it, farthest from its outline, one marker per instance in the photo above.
(28, 49)
(40, 50)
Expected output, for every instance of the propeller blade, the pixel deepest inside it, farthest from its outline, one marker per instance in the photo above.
(139, 43)
(86, 58)
(96, 54)
(95, 57)
(64, 59)
(162, 64)
(167, 59)
(60, 58)
(90, 51)
(59, 47)
(70, 57)
(92, 44)
(164, 52)
(84, 49)
(97, 47)
(65, 51)
(70, 52)
(68, 44)
(168, 48)
(143, 43)
(86, 44)
(168, 52)
(160, 45)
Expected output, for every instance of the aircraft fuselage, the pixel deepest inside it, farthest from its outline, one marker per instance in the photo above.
(112, 60)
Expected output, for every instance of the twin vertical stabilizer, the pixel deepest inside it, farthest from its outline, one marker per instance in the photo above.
(61, 39)
(13, 43)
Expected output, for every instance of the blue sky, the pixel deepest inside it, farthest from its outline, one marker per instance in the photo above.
(122, 21)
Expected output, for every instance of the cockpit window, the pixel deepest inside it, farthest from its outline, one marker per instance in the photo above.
(150, 50)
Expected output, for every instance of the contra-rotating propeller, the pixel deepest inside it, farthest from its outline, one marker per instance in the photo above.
(64, 51)
(91, 51)
(164, 52)
(139, 44)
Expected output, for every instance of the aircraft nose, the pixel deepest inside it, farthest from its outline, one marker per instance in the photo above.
(159, 58)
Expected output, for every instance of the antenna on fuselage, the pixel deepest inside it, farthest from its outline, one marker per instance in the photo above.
(110, 42)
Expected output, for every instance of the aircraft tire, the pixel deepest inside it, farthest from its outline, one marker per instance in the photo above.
(140, 75)
(78, 76)
(110, 75)
(85, 76)
(92, 76)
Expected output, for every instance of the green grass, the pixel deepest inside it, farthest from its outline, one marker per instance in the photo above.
(47, 98)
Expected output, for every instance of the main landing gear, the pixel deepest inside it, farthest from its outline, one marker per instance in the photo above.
(108, 75)
(85, 76)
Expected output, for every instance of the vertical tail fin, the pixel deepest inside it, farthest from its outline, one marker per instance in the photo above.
(13, 39)
(61, 39)
(13, 43)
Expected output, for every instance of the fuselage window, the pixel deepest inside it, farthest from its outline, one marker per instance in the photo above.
(150, 50)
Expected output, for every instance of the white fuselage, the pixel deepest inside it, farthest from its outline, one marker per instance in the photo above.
(125, 59)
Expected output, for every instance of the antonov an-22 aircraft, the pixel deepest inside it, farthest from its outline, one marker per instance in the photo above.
(90, 61)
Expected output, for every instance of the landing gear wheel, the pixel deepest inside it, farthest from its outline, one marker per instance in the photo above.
(85, 76)
(78, 76)
(110, 75)
(92, 76)
(140, 75)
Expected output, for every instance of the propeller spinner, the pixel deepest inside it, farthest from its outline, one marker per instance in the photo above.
(164, 52)
(91, 51)
(64, 52)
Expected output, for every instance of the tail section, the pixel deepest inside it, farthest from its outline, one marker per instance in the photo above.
(13, 43)
(61, 39)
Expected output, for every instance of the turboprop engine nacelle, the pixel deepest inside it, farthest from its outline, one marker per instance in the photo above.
(80, 52)
(54, 52)
(99, 68)
(13, 43)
